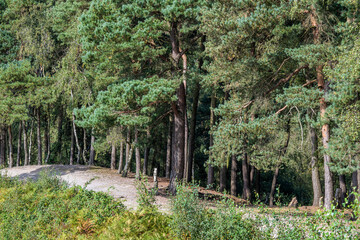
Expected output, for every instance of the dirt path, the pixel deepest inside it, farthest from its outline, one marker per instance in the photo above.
(104, 180)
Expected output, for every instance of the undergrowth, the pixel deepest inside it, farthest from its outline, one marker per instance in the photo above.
(50, 209)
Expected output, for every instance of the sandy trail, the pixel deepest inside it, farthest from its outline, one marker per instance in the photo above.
(103, 180)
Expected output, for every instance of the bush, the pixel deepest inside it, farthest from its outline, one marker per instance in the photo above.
(191, 220)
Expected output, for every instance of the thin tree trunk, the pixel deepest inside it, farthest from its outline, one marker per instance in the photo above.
(60, 133)
(233, 178)
(39, 157)
(2, 146)
(10, 147)
(121, 157)
(30, 140)
(257, 181)
(128, 138)
(314, 168)
(273, 185)
(76, 141)
(18, 147)
(146, 152)
(84, 147)
(223, 171)
(72, 145)
(92, 150)
(47, 134)
(210, 173)
(128, 162)
(137, 155)
(282, 152)
(26, 157)
(168, 150)
(113, 155)
(246, 178)
(343, 188)
(252, 175)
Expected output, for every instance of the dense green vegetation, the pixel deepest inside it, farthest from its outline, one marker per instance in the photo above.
(244, 96)
(49, 209)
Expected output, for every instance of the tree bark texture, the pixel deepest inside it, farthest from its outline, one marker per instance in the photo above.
(39, 143)
(25, 141)
(233, 177)
(179, 109)
(168, 149)
(192, 134)
(18, 155)
(92, 150)
(11, 159)
(210, 173)
(121, 156)
(325, 130)
(2, 146)
(71, 161)
(146, 152)
(113, 156)
(314, 168)
(137, 155)
(246, 178)
(273, 185)
(223, 171)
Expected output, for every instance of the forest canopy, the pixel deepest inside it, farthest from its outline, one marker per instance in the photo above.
(244, 96)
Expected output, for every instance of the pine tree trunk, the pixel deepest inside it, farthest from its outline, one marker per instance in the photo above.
(342, 184)
(128, 162)
(18, 155)
(273, 185)
(210, 173)
(2, 147)
(113, 156)
(26, 157)
(72, 146)
(137, 155)
(121, 157)
(84, 147)
(168, 149)
(257, 181)
(146, 152)
(246, 178)
(192, 134)
(92, 150)
(11, 160)
(329, 187)
(314, 168)
(223, 171)
(77, 143)
(30, 140)
(60, 133)
(128, 138)
(233, 178)
(179, 109)
(47, 136)
(39, 156)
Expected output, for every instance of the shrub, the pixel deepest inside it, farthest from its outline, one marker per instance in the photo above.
(191, 220)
